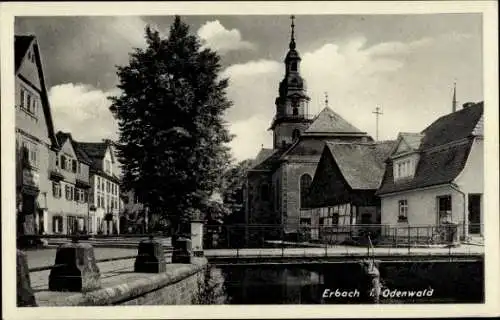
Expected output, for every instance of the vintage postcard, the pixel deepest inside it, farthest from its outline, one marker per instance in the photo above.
(249, 159)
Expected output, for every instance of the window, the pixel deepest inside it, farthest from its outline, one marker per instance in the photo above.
(403, 211)
(56, 189)
(293, 66)
(403, 169)
(264, 192)
(444, 209)
(69, 192)
(63, 162)
(98, 183)
(74, 165)
(23, 98)
(29, 151)
(57, 224)
(305, 184)
(107, 186)
(295, 134)
(335, 218)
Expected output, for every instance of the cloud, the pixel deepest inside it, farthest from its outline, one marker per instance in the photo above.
(217, 37)
(78, 107)
(251, 135)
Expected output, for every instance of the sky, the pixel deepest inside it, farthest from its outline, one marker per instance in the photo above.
(404, 64)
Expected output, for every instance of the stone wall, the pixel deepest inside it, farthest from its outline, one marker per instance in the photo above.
(180, 284)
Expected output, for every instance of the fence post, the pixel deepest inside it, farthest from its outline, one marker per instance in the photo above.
(409, 242)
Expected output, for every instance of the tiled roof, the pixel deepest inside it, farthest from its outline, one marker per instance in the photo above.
(271, 162)
(362, 165)
(413, 140)
(329, 122)
(452, 127)
(21, 45)
(434, 168)
(443, 152)
(80, 154)
(263, 154)
(94, 149)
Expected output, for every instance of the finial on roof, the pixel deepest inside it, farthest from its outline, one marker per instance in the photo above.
(326, 99)
(262, 146)
(454, 102)
(292, 37)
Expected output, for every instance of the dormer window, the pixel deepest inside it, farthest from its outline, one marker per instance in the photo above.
(404, 168)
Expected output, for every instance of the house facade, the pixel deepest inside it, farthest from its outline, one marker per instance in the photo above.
(35, 138)
(437, 176)
(280, 177)
(69, 211)
(342, 194)
(105, 186)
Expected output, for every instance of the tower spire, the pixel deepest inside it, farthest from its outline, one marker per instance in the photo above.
(326, 99)
(454, 102)
(292, 36)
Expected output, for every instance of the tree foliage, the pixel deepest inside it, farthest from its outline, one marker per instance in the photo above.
(232, 189)
(172, 136)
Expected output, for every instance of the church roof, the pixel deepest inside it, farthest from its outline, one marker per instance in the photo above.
(263, 154)
(270, 162)
(329, 122)
(361, 164)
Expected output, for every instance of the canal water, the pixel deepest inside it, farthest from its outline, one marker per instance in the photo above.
(422, 282)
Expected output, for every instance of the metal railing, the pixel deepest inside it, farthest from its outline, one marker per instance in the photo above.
(265, 236)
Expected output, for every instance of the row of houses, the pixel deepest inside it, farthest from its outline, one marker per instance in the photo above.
(323, 171)
(414, 183)
(63, 186)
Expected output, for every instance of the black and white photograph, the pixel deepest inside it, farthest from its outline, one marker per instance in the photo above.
(251, 155)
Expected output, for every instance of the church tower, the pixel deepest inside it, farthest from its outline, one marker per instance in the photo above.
(291, 118)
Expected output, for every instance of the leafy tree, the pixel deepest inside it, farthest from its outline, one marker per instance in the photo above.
(232, 189)
(172, 142)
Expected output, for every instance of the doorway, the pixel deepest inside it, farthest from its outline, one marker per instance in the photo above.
(475, 214)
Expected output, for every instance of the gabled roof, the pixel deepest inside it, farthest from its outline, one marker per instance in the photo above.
(452, 127)
(21, 45)
(270, 162)
(362, 165)
(443, 152)
(263, 154)
(328, 122)
(94, 149)
(413, 140)
(80, 154)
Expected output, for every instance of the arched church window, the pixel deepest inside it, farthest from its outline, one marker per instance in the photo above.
(295, 134)
(293, 66)
(305, 185)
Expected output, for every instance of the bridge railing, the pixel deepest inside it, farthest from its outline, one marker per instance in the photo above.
(262, 236)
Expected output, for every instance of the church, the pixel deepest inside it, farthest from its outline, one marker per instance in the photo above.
(278, 182)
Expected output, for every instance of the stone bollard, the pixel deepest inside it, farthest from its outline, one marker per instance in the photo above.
(75, 269)
(25, 295)
(197, 237)
(150, 257)
(182, 251)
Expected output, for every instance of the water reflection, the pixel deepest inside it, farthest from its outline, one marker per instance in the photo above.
(348, 284)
